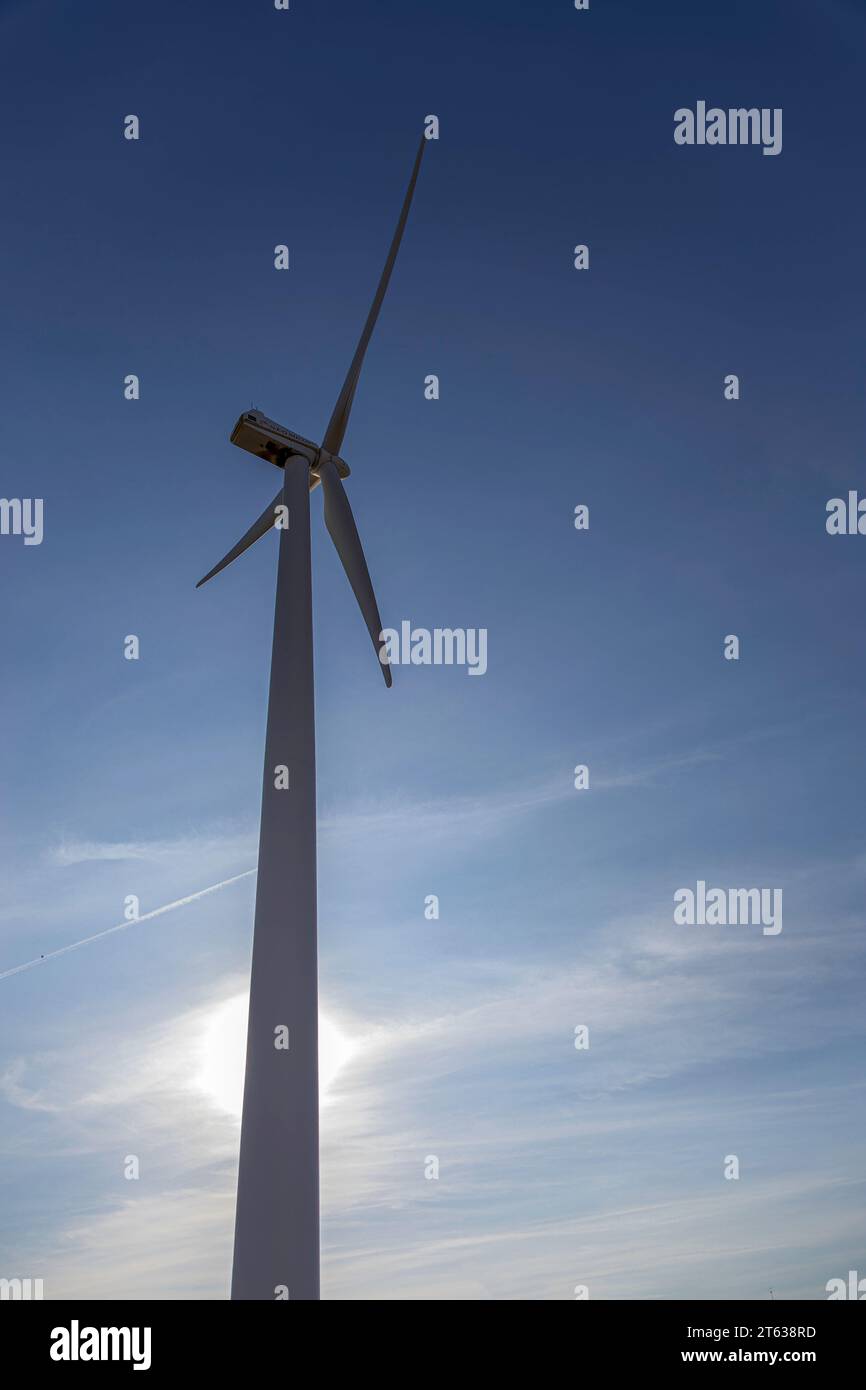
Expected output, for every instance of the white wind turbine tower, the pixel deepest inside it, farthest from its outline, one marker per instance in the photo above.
(277, 1222)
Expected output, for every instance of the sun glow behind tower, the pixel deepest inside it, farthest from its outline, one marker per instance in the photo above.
(222, 1050)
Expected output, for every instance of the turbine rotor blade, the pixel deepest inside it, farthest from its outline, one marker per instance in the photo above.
(344, 533)
(340, 417)
(259, 528)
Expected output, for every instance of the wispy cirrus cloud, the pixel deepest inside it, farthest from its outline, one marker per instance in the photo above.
(182, 848)
(488, 812)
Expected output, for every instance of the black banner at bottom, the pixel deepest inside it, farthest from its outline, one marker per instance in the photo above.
(65, 1338)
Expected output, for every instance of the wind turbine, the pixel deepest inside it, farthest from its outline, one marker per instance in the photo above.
(276, 1248)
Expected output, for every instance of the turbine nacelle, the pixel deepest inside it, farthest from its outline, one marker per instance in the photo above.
(269, 440)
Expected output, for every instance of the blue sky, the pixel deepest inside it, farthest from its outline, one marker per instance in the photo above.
(557, 1167)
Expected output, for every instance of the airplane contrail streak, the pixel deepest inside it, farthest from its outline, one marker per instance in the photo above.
(121, 926)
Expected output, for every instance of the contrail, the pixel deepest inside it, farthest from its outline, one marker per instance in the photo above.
(121, 926)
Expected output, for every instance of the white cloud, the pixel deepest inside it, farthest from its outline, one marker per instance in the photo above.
(184, 848)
